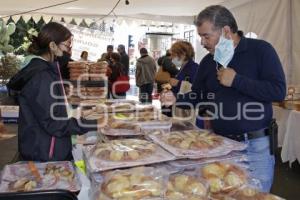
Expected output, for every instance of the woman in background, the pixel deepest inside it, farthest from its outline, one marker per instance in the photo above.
(84, 56)
(165, 62)
(117, 70)
(182, 54)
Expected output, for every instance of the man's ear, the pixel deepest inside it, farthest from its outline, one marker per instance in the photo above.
(227, 32)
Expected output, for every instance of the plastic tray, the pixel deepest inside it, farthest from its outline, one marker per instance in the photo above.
(225, 148)
(15, 172)
(96, 164)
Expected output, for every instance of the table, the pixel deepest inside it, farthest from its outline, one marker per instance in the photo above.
(281, 115)
(288, 133)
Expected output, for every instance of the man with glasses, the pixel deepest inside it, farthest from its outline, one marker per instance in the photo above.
(238, 80)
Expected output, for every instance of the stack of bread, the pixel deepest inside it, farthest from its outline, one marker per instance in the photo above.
(97, 70)
(85, 71)
(79, 71)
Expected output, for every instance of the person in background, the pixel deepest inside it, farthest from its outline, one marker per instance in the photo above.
(103, 58)
(124, 57)
(45, 126)
(84, 56)
(182, 53)
(117, 69)
(165, 62)
(144, 75)
(109, 51)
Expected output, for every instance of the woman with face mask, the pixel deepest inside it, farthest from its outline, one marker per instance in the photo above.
(183, 58)
(45, 126)
(182, 53)
(63, 63)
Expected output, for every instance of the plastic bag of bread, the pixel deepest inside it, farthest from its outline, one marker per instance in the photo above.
(195, 144)
(20, 177)
(249, 193)
(125, 153)
(122, 129)
(236, 157)
(223, 177)
(185, 186)
(116, 107)
(136, 116)
(132, 184)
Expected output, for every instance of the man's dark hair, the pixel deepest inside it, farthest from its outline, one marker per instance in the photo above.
(168, 53)
(143, 51)
(219, 16)
(109, 47)
(122, 47)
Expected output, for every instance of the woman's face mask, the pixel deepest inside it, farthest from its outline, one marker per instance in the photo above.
(177, 62)
(64, 59)
(224, 51)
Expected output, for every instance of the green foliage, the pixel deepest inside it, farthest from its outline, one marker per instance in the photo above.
(5, 32)
(9, 63)
(27, 41)
(17, 38)
(21, 39)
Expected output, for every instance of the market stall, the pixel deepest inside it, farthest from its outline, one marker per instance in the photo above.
(140, 154)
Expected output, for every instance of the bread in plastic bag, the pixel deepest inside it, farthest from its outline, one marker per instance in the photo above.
(183, 186)
(223, 177)
(54, 175)
(195, 144)
(125, 153)
(238, 157)
(248, 193)
(132, 184)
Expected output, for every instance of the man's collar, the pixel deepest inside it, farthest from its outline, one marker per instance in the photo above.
(242, 46)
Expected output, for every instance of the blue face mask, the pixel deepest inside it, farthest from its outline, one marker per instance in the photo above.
(224, 51)
(177, 62)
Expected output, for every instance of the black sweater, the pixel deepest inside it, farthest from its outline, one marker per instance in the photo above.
(40, 110)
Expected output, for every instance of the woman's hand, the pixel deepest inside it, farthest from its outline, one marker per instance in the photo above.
(174, 82)
(167, 98)
(102, 122)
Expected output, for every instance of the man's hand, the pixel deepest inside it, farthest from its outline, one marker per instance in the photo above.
(226, 76)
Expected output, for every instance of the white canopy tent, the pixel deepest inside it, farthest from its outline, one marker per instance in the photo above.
(275, 21)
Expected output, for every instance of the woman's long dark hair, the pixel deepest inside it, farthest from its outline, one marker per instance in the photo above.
(50, 32)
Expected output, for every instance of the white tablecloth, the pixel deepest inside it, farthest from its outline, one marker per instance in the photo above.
(281, 115)
(288, 133)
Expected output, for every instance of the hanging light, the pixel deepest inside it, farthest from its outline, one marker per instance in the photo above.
(127, 2)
